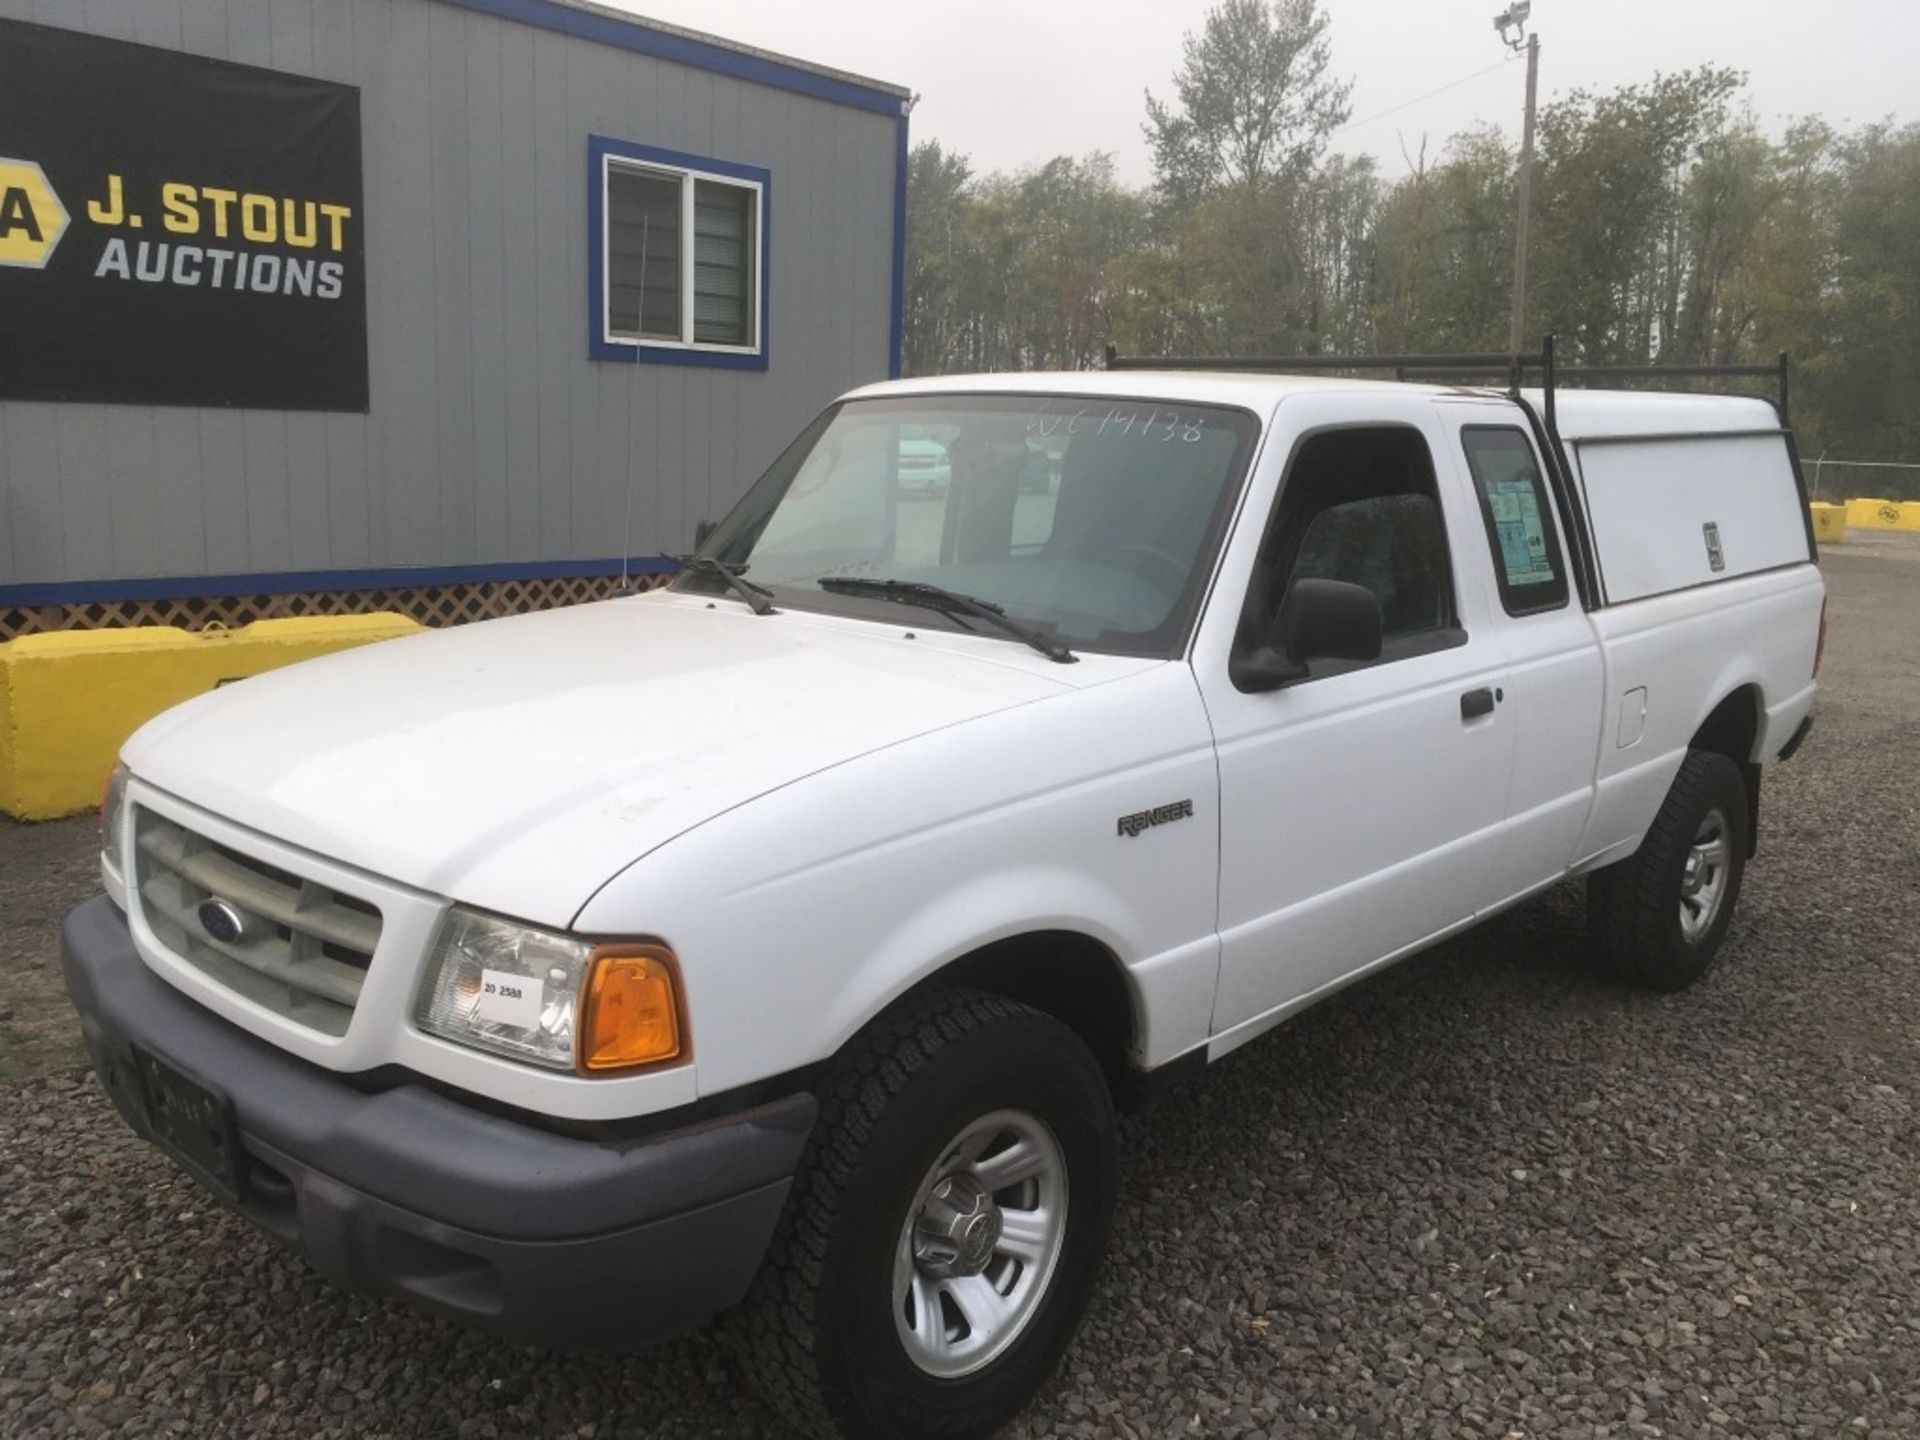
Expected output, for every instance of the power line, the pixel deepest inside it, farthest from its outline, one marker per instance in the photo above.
(1409, 104)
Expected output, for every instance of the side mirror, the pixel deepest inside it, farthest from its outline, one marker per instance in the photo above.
(1321, 620)
(702, 531)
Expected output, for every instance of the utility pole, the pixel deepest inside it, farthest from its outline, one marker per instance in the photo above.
(1514, 18)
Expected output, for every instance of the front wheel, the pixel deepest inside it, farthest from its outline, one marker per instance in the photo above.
(1657, 918)
(943, 1234)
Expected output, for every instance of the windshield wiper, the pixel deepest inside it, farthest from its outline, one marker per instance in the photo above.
(756, 596)
(948, 602)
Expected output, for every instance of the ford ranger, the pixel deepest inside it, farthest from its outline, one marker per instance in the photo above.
(781, 942)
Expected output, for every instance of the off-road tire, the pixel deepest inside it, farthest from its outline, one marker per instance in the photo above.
(816, 1335)
(1634, 905)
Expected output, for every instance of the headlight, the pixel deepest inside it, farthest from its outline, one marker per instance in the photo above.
(550, 999)
(113, 804)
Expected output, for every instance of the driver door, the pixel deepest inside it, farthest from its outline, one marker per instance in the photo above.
(1361, 805)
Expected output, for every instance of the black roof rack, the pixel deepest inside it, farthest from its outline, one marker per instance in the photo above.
(1514, 370)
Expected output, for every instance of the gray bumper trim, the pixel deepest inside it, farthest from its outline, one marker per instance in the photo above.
(1797, 739)
(408, 1192)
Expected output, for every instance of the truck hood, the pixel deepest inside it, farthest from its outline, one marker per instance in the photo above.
(520, 763)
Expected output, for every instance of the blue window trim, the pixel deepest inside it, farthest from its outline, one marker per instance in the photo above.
(295, 582)
(900, 154)
(599, 149)
(688, 50)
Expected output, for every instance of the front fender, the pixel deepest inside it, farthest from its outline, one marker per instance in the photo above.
(1170, 994)
(801, 915)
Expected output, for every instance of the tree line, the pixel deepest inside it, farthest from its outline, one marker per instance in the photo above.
(1668, 228)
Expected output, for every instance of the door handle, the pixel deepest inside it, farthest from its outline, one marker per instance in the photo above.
(1476, 703)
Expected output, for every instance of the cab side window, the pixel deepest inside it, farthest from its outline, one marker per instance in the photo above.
(1391, 544)
(1361, 506)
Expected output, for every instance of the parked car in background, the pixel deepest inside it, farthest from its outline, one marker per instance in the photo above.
(924, 466)
(785, 941)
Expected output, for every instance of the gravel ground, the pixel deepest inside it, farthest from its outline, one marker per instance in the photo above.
(1483, 1195)
(44, 871)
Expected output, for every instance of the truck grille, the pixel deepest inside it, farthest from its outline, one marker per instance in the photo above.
(300, 948)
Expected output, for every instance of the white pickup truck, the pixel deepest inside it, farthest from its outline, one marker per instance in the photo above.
(782, 942)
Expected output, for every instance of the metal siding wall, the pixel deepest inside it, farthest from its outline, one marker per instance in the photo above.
(84, 498)
(182, 530)
(453, 292)
(203, 26)
(493, 438)
(521, 301)
(292, 47)
(487, 280)
(593, 101)
(557, 285)
(337, 47)
(158, 22)
(31, 460)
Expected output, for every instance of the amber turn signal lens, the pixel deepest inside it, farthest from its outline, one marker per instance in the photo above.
(631, 1010)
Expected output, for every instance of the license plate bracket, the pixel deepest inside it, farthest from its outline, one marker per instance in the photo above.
(192, 1121)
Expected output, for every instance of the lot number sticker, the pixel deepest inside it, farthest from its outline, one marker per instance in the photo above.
(1523, 539)
(509, 999)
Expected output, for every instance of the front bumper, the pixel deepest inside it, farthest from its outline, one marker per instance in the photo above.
(406, 1192)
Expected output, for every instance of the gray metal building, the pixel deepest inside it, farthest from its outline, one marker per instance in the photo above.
(547, 184)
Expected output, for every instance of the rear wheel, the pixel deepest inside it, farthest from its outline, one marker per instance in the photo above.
(1657, 918)
(943, 1235)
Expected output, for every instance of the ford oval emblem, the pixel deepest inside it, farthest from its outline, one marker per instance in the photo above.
(222, 922)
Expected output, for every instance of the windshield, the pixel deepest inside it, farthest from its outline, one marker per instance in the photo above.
(1093, 520)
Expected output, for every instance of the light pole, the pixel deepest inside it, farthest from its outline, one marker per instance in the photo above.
(1514, 19)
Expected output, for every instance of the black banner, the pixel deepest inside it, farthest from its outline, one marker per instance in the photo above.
(176, 230)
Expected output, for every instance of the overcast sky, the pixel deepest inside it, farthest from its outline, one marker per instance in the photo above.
(1013, 82)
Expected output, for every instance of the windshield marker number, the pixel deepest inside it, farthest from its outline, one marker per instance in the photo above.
(1124, 424)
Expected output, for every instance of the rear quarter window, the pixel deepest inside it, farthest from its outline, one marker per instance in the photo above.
(1519, 517)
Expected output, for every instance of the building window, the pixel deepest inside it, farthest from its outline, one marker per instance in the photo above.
(679, 260)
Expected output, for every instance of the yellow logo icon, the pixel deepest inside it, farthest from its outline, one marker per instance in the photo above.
(32, 219)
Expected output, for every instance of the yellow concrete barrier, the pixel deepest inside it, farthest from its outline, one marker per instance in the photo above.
(1884, 514)
(68, 700)
(1829, 522)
